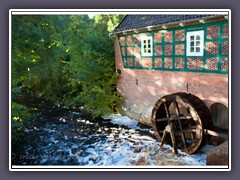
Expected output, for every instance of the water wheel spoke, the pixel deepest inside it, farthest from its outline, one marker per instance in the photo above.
(188, 107)
(173, 141)
(161, 132)
(167, 110)
(191, 133)
(185, 117)
(183, 140)
(176, 107)
(189, 130)
(177, 111)
(175, 118)
(166, 119)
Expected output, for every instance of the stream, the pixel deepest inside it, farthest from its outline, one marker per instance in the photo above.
(63, 136)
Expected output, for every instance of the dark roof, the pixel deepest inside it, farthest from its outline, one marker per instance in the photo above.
(131, 22)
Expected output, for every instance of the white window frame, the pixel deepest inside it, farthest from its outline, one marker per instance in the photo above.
(196, 49)
(146, 40)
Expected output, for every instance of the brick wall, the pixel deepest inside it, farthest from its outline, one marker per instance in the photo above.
(169, 49)
(142, 88)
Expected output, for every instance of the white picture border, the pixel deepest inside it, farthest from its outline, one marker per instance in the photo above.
(117, 11)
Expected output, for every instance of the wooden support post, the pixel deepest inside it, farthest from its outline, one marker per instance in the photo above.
(169, 129)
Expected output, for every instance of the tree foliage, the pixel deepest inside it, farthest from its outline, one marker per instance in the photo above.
(111, 21)
(38, 52)
(20, 115)
(68, 59)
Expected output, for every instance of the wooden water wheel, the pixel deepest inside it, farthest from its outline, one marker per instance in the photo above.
(180, 119)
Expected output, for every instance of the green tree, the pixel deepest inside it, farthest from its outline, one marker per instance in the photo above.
(93, 65)
(38, 53)
(67, 59)
(111, 21)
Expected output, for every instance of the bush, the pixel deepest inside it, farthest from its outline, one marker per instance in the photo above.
(20, 115)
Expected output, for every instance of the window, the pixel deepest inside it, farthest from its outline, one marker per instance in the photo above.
(195, 43)
(146, 45)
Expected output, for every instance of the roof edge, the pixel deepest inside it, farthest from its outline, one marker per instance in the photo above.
(158, 26)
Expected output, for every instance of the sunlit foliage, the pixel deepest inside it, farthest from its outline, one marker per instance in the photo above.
(67, 59)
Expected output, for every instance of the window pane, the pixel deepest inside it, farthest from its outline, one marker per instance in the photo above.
(195, 42)
(146, 45)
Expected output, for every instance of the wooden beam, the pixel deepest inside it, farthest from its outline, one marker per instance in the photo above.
(135, 31)
(164, 27)
(217, 134)
(181, 24)
(150, 28)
